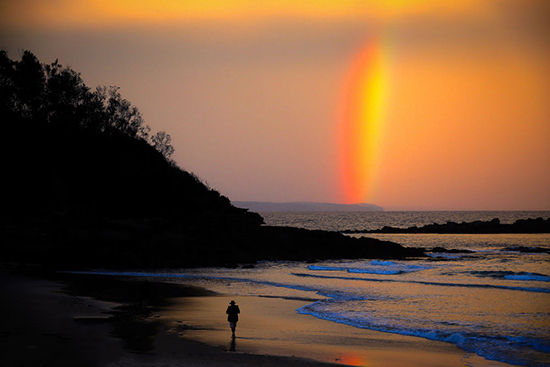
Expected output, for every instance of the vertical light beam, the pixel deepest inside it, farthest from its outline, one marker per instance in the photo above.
(363, 112)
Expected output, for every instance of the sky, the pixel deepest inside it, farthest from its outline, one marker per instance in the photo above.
(406, 104)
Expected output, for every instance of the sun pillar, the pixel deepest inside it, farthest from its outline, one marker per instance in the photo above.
(363, 113)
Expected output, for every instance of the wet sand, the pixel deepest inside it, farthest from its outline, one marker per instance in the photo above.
(42, 324)
(272, 326)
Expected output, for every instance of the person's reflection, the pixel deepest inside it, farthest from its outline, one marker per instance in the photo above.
(232, 345)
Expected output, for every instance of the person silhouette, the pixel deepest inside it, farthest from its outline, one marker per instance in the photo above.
(233, 316)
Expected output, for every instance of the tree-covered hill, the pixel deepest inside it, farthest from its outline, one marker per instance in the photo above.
(87, 153)
(88, 185)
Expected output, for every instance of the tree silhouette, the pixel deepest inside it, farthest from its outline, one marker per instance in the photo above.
(66, 97)
(22, 85)
(56, 94)
(161, 141)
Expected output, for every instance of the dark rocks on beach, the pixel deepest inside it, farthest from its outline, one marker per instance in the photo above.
(287, 243)
(493, 226)
(167, 243)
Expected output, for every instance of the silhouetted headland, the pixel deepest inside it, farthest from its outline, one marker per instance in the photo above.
(538, 225)
(89, 185)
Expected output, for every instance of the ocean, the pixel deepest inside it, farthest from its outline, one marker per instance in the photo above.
(493, 301)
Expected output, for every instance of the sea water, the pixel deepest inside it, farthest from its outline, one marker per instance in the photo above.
(493, 301)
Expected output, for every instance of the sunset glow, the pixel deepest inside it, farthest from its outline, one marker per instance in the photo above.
(405, 104)
(114, 13)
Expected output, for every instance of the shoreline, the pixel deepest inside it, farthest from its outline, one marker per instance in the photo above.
(44, 316)
(42, 323)
(272, 326)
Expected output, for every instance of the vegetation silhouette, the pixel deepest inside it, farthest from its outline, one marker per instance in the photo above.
(89, 185)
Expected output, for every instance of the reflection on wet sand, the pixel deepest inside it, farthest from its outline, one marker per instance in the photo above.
(351, 360)
(271, 326)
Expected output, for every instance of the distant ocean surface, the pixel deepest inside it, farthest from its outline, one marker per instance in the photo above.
(494, 302)
(340, 221)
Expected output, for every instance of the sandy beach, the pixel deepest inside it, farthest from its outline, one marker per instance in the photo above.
(43, 323)
(272, 326)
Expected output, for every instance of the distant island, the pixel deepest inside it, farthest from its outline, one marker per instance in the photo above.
(261, 206)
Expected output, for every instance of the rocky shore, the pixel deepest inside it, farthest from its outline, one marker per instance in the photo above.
(162, 243)
(538, 225)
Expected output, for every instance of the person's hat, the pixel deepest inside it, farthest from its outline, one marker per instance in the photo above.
(232, 302)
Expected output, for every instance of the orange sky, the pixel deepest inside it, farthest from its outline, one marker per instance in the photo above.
(94, 13)
(484, 131)
(250, 91)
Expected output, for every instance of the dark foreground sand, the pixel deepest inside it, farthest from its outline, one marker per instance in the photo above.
(42, 326)
(46, 323)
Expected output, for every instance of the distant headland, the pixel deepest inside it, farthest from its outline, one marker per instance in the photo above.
(261, 206)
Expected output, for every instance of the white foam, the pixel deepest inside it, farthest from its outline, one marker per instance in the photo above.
(375, 271)
(528, 277)
(382, 263)
(514, 350)
(326, 268)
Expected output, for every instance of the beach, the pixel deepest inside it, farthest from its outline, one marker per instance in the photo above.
(272, 326)
(41, 325)
(44, 322)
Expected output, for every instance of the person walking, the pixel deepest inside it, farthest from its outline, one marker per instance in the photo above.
(233, 316)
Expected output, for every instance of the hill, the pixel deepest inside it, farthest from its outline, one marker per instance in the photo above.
(260, 206)
(89, 185)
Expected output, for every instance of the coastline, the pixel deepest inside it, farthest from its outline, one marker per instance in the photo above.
(41, 323)
(272, 326)
(47, 321)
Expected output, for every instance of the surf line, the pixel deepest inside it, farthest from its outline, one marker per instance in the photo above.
(131, 274)
(523, 289)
